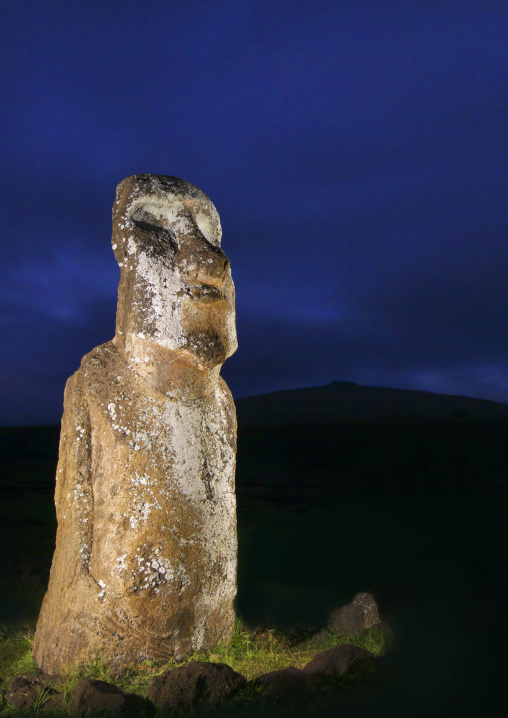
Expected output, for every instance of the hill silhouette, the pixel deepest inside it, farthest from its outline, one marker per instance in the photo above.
(347, 401)
(362, 441)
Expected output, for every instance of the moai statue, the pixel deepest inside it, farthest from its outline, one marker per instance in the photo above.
(146, 548)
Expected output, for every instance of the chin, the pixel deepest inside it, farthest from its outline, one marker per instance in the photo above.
(210, 349)
(232, 346)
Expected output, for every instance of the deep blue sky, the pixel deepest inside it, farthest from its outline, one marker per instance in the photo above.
(356, 152)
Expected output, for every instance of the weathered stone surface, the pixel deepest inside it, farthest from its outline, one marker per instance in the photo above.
(100, 696)
(24, 692)
(368, 604)
(348, 620)
(372, 663)
(361, 613)
(287, 683)
(146, 550)
(195, 685)
(336, 660)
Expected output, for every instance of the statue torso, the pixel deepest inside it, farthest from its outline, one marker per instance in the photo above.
(163, 482)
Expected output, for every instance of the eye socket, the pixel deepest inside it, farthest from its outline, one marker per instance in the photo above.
(146, 221)
(147, 226)
(160, 239)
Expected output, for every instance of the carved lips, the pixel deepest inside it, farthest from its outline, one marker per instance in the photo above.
(205, 292)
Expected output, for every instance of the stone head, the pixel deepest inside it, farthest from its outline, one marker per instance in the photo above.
(175, 285)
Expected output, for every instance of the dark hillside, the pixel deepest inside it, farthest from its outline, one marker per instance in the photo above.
(28, 456)
(347, 401)
(361, 459)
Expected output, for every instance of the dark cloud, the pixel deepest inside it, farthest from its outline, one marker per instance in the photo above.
(356, 153)
(42, 353)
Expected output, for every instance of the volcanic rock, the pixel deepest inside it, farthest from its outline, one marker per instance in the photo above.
(195, 685)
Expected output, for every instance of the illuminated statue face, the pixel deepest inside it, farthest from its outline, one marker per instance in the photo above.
(175, 286)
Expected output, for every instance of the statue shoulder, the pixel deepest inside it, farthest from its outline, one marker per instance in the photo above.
(225, 392)
(100, 362)
(96, 368)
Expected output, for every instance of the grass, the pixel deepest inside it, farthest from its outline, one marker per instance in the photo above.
(252, 652)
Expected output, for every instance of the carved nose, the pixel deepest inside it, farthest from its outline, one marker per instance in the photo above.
(211, 267)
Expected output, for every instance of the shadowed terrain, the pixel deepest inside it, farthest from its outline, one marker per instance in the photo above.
(411, 509)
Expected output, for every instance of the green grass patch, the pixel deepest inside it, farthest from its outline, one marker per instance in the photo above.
(252, 652)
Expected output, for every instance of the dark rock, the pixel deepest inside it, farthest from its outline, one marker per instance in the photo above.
(378, 670)
(385, 625)
(23, 692)
(364, 664)
(369, 606)
(91, 694)
(320, 636)
(52, 701)
(352, 618)
(348, 620)
(298, 635)
(195, 685)
(337, 660)
(375, 664)
(287, 683)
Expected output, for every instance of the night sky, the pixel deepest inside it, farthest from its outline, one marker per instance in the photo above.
(356, 152)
